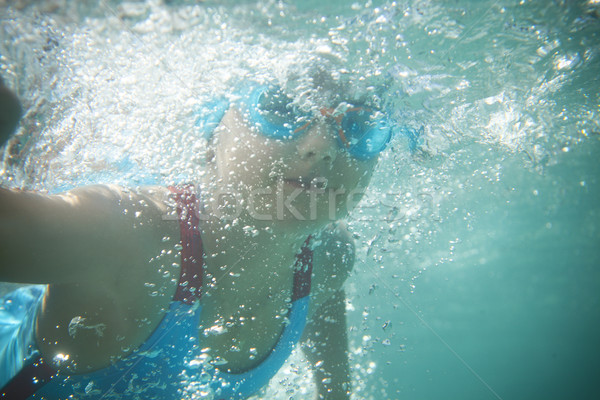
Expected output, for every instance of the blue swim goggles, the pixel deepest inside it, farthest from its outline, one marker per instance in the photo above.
(361, 131)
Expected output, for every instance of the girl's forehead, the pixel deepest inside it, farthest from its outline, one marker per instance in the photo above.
(315, 98)
(320, 83)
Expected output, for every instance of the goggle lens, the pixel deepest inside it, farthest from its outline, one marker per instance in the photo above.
(278, 116)
(355, 124)
(364, 133)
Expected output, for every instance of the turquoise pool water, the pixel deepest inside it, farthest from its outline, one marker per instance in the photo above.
(478, 268)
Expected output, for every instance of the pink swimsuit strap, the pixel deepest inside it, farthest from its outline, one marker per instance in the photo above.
(189, 288)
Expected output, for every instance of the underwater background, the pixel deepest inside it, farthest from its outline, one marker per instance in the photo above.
(478, 268)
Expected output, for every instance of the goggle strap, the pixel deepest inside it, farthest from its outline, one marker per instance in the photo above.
(303, 127)
(343, 137)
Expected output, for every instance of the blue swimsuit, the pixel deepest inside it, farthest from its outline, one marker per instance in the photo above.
(169, 365)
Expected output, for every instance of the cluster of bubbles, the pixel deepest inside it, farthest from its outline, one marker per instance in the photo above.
(112, 94)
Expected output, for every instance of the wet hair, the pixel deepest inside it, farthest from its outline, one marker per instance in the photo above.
(325, 82)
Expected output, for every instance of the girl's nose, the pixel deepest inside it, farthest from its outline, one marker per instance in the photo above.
(317, 143)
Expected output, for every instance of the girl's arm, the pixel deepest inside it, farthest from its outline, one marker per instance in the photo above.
(325, 336)
(327, 349)
(79, 236)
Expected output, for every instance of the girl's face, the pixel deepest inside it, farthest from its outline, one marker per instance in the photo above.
(308, 179)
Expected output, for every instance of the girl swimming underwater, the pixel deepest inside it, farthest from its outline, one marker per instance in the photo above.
(181, 291)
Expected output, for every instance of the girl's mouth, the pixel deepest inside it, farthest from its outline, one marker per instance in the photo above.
(307, 183)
